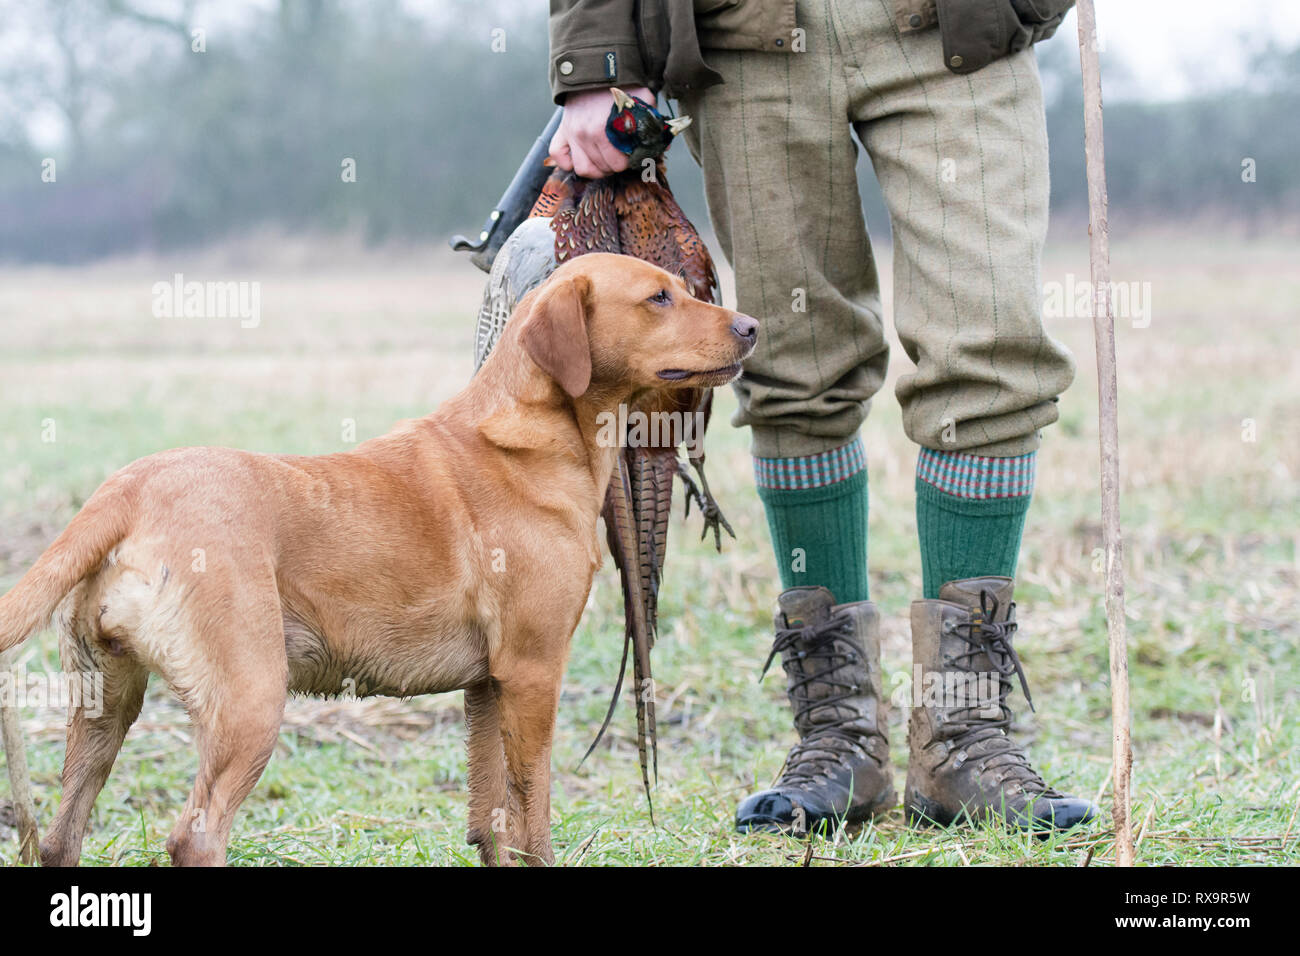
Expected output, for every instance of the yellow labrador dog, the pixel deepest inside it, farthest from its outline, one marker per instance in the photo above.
(455, 552)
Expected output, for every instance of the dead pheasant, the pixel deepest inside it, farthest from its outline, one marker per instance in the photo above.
(633, 213)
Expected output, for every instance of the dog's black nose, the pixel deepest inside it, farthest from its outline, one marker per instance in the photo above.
(745, 327)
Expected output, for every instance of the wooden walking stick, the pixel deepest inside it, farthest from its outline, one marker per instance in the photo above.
(1103, 325)
(19, 780)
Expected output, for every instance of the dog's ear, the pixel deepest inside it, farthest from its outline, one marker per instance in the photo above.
(554, 334)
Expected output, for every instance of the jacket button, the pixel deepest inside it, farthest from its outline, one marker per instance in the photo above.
(956, 61)
(566, 67)
(915, 20)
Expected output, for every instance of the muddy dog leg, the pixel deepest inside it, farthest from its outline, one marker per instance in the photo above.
(528, 700)
(489, 807)
(96, 729)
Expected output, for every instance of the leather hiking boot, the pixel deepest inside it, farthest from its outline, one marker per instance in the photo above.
(839, 771)
(964, 765)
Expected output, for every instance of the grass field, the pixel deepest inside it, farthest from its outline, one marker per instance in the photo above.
(1210, 396)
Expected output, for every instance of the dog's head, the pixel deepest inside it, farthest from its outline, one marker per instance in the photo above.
(617, 322)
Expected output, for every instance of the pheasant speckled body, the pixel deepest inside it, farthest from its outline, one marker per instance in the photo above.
(633, 213)
(628, 214)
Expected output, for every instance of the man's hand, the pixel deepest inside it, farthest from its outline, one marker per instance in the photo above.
(580, 144)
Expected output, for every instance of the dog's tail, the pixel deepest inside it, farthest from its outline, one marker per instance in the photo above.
(83, 545)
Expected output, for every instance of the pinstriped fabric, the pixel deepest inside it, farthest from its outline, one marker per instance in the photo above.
(975, 476)
(962, 164)
(778, 156)
(811, 471)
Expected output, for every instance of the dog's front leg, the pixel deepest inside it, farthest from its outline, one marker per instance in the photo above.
(528, 695)
(489, 805)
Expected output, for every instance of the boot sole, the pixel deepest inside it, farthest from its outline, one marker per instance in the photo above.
(883, 801)
(924, 812)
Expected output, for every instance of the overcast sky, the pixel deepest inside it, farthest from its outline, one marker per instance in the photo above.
(1177, 47)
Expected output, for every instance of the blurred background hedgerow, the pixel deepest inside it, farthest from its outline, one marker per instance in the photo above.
(159, 146)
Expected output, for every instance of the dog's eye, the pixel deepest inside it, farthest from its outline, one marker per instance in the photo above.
(661, 298)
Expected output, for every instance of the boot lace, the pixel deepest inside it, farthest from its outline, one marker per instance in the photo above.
(988, 737)
(819, 655)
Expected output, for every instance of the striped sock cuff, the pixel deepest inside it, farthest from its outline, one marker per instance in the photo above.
(811, 471)
(975, 476)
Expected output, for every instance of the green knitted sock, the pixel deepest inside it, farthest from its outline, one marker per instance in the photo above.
(970, 515)
(817, 513)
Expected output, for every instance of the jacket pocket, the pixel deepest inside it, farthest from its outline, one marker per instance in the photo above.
(977, 32)
(745, 24)
(1041, 17)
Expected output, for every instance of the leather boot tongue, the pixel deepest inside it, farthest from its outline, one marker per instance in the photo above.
(967, 592)
(804, 606)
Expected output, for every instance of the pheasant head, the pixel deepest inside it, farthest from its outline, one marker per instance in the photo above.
(639, 130)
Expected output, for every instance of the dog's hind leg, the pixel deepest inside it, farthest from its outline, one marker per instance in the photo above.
(235, 745)
(237, 708)
(489, 808)
(96, 728)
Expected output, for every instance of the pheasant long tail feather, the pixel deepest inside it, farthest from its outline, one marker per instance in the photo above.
(651, 530)
(652, 501)
(622, 667)
(652, 471)
(620, 524)
(664, 470)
